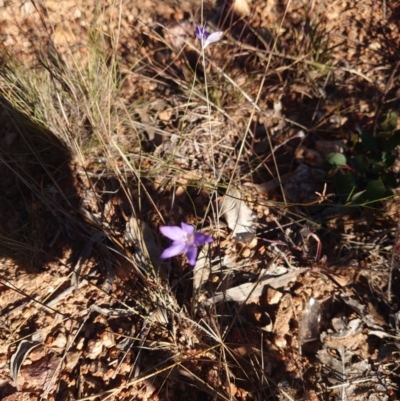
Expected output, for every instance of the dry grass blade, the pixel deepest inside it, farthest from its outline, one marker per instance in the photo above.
(147, 251)
(201, 272)
(19, 356)
(84, 256)
(185, 376)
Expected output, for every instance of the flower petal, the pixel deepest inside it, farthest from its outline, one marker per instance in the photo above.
(191, 253)
(187, 228)
(201, 239)
(173, 232)
(213, 37)
(176, 248)
(199, 32)
(205, 34)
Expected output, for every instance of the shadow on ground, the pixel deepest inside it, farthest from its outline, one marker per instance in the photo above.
(37, 193)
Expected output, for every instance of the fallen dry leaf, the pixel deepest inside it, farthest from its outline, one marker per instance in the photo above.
(239, 217)
(24, 348)
(309, 324)
(244, 291)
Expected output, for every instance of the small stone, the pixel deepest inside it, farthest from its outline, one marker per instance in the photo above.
(273, 296)
(165, 115)
(374, 46)
(246, 253)
(280, 341)
(241, 7)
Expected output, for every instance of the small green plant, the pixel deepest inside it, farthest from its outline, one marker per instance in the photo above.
(364, 174)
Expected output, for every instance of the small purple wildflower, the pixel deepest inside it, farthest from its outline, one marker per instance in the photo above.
(207, 38)
(184, 240)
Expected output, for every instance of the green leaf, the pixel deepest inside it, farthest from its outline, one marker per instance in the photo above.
(344, 184)
(390, 179)
(393, 141)
(370, 144)
(361, 163)
(377, 167)
(375, 190)
(388, 159)
(358, 148)
(336, 159)
(390, 122)
(355, 139)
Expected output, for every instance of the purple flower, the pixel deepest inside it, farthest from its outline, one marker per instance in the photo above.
(207, 38)
(184, 240)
